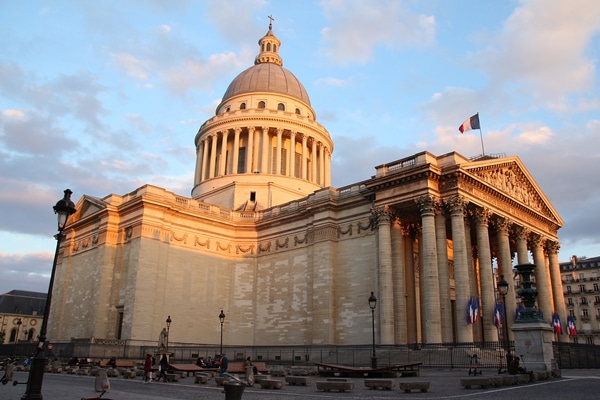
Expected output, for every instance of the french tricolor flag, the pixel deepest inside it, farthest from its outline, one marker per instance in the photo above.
(470, 123)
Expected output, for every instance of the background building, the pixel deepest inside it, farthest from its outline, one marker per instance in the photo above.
(291, 260)
(21, 314)
(581, 284)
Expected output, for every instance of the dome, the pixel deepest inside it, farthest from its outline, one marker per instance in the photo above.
(267, 74)
(267, 77)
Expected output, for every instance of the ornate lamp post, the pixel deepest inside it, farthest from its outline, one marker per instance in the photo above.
(372, 305)
(168, 321)
(503, 290)
(64, 208)
(221, 319)
(528, 294)
(19, 322)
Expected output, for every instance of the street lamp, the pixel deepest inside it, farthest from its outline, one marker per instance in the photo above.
(221, 319)
(64, 208)
(168, 321)
(19, 322)
(503, 290)
(373, 304)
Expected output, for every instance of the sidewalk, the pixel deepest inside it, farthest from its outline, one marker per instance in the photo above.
(584, 384)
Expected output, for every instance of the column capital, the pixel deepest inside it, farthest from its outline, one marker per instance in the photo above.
(537, 240)
(427, 205)
(482, 215)
(381, 215)
(456, 204)
(521, 232)
(280, 131)
(552, 247)
(502, 225)
(251, 129)
(237, 130)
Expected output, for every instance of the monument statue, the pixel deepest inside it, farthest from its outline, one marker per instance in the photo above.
(162, 339)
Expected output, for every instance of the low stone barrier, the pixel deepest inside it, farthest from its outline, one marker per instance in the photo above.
(271, 384)
(468, 383)
(385, 384)
(339, 385)
(201, 378)
(408, 387)
(172, 377)
(297, 380)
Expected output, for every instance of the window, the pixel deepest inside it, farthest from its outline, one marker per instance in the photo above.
(571, 313)
(584, 300)
(585, 313)
(119, 322)
(569, 279)
(228, 109)
(241, 167)
(281, 107)
(268, 46)
(297, 111)
(569, 300)
(252, 196)
(581, 276)
(274, 47)
(596, 287)
(568, 289)
(582, 288)
(597, 300)
(261, 104)
(243, 106)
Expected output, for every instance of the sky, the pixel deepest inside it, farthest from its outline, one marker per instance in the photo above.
(106, 96)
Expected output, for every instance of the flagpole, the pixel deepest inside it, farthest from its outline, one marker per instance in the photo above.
(481, 136)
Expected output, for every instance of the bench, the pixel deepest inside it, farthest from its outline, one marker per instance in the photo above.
(172, 377)
(340, 386)
(240, 367)
(261, 377)
(409, 386)
(385, 384)
(297, 380)
(271, 384)
(129, 374)
(201, 378)
(120, 364)
(470, 382)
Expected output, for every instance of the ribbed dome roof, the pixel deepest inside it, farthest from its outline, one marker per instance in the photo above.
(267, 74)
(267, 77)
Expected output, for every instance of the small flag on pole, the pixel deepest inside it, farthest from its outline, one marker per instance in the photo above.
(470, 123)
(571, 329)
(498, 314)
(556, 324)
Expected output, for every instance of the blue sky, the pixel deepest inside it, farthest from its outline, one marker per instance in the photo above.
(105, 96)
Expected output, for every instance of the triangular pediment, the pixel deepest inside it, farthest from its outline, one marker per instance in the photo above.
(509, 176)
(89, 205)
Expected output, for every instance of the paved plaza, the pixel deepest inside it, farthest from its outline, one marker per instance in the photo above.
(444, 384)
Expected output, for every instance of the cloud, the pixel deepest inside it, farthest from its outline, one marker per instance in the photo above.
(37, 265)
(359, 27)
(329, 81)
(542, 47)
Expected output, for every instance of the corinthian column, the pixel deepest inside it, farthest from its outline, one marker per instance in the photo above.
(386, 282)
(412, 334)
(264, 157)
(223, 158)
(443, 274)
(429, 279)
(278, 155)
(522, 254)
(205, 160)
(292, 155)
(505, 268)
(304, 152)
(464, 333)
(488, 301)
(557, 289)
(236, 150)
(398, 268)
(250, 151)
(313, 159)
(213, 156)
(199, 163)
(542, 283)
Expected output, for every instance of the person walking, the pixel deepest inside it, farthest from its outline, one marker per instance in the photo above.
(148, 369)
(164, 365)
(224, 364)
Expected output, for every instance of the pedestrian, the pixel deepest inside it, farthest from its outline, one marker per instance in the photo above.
(148, 369)
(163, 366)
(248, 363)
(224, 363)
(200, 362)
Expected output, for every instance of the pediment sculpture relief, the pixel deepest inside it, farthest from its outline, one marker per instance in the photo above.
(509, 180)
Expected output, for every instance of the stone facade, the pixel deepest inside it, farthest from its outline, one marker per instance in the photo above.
(291, 260)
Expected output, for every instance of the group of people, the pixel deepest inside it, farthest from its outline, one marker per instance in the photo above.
(163, 366)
